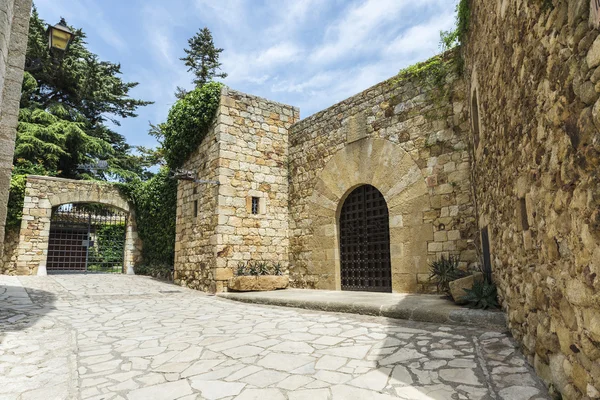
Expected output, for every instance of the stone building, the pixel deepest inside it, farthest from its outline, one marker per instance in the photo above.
(502, 162)
(14, 27)
(272, 189)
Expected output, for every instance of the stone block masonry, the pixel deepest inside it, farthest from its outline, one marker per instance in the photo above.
(408, 140)
(533, 70)
(245, 216)
(14, 28)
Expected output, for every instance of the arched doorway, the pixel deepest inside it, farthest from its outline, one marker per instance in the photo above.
(365, 263)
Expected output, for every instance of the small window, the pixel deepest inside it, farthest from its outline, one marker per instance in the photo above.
(485, 249)
(475, 120)
(255, 202)
(523, 223)
(195, 208)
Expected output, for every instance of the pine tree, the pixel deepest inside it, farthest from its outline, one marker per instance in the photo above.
(65, 104)
(202, 59)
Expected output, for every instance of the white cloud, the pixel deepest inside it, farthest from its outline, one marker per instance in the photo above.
(423, 39)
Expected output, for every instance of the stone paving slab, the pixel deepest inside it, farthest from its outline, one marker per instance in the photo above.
(413, 307)
(118, 337)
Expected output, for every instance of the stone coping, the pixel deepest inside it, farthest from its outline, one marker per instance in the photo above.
(226, 90)
(413, 307)
(56, 179)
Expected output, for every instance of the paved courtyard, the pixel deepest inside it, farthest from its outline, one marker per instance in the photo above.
(127, 337)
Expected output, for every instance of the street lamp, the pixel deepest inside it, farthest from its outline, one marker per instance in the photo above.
(59, 36)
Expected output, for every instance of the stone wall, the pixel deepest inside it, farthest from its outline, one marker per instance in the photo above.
(410, 141)
(196, 235)
(42, 193)
(14, 27)
(533, 69)
(246, 152)
(8, 264)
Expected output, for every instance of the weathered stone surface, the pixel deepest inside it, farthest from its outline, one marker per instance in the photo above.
(14, 25)
(258, 283)
(457, 287)
(533, 71)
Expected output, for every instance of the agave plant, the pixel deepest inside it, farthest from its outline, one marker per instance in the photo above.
(277, 268)
(241, 269)
(252, 269)
(444, 271)
(262, 268)
(483, 295)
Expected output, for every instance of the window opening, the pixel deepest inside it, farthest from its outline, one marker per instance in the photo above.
(475, 119)
(255, 201)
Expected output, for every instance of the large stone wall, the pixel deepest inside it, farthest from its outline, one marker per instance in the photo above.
(14, 27)
(246, 152)
(410, 141)
(533, 69)
(42, 193)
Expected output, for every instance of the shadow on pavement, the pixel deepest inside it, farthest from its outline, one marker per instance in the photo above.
(21, 308)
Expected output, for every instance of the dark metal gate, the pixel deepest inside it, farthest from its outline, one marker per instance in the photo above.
(365, 242)
(86, 238)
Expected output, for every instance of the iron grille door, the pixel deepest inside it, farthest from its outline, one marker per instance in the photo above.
(86, 238)
(365, 242)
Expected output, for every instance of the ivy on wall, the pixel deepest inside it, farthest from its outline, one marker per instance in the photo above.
(188, 123)
(155, 200)
(155, 205)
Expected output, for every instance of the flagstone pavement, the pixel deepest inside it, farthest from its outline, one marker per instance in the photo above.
(135, 338)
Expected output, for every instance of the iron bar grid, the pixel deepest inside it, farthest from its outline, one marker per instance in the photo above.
(365, 242)
(86, 238)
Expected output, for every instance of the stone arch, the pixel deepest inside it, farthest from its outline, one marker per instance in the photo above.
(390, 169)
(42, 193)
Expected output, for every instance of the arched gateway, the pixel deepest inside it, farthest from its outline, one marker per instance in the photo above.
(77, 226)
(365, 241)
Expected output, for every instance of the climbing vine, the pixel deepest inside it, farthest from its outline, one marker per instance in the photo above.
(155, 205)
(188, 123)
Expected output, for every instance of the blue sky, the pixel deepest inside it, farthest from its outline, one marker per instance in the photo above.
(307, 53)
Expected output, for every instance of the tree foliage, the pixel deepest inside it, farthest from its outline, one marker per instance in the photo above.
(202, 58)
(65, 104)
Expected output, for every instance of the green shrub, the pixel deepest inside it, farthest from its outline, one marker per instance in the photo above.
(155, 271)
(444, 271)
(155, 205)
(483, 295)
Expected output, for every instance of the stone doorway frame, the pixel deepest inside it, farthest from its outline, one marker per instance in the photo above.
(390, 169)
(42, 193)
